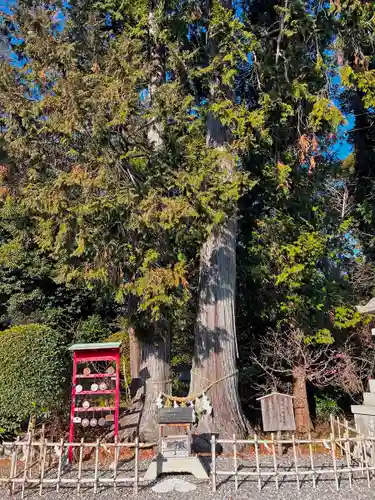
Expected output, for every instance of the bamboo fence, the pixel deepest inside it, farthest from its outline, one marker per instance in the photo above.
(49, 465)
(346, 456)
(38, 463)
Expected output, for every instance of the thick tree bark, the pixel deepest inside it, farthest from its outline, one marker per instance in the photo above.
(215, 349)
(301, 405)
(150, 369)
(155, 353)
(155, 376)
(135, 354)
(215, 342)
(135, 362)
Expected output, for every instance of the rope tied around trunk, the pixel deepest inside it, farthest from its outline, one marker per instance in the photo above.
(192, 397)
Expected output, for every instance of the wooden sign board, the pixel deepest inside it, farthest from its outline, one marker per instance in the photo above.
(175, 415)
(277, 412)
(175, 446)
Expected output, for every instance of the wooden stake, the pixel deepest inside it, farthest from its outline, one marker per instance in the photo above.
(279, 444)
(257, 461)
(13, 468)
(26, 462)
(339, 431)
(136, 457)
(332, 424)
(80, 466)
(96, 466)
(43, 451)
(295, 460)
(31, 428)
(115, 464)
(213, 462)
(235, 462)
(333, 449)
(348, 455)
(275, 460)
(59, 467)
(312, 461)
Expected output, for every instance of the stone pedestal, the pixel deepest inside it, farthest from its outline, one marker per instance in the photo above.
(364, 415)
(163, 465)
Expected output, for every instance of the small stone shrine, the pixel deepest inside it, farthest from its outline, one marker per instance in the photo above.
(174, 445)
(364, 415)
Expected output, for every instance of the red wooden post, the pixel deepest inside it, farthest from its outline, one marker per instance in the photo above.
(72, 411)
(91, 353)
(117, 410)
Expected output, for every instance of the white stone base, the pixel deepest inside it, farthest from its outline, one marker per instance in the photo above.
(371, 384)
(163, 465)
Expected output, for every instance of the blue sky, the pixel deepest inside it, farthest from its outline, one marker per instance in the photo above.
(342, 147)
(5, 5)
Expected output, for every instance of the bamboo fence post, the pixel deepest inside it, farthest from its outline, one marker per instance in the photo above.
(13, 468)
(31, 428)
(333, 450)
(366, 462)
(348, 457)
(136, 457)
(312, 461)
(235, 461)
(24, 481)
(40, 449)
(275, 461)
(80, 466)
(279, 444)
(257, 461)
(43, 451)
(96, 466)
(115, 464)
(295, 460)
(30, 459)
(213, 462)
(339, 432)
(59, 467)
(372, 455)
(332, 425)
(49, 450)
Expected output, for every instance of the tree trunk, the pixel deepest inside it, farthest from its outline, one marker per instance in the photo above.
(215, 342)
(135, 361)
(301, 406)
(155, 353)
(155, 375)
(215, 349)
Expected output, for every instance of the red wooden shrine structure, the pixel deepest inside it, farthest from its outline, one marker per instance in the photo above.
(96, 373)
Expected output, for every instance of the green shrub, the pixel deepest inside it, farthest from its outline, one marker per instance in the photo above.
(92, 329)
(32, 373)
(326, 406)
(123, 337)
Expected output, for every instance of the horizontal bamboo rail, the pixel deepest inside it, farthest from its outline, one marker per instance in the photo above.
(361, 464)
(347, 452)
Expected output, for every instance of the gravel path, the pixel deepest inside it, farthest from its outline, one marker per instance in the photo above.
(248, 488)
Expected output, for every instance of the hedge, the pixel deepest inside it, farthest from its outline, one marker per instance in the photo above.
(32, 374)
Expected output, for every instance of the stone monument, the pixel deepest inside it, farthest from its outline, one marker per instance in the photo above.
(364, 415)
(174, 450)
